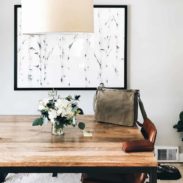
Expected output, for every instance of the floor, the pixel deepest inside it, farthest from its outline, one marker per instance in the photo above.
(43, 178)
(64, 178)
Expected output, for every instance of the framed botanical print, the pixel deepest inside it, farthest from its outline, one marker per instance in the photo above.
(79, 61)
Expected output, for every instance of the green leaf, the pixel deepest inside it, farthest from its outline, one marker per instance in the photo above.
(181, 116)
(81, 125)
(38, 122)
(80, 111)
(69, 98)
(76, 97)
(175, 126)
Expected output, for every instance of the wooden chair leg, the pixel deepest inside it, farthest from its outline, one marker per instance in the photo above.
(54, 174)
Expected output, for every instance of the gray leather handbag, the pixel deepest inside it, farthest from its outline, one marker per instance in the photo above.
(116, 106)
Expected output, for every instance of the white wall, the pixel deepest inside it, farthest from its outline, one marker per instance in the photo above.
(155, 63)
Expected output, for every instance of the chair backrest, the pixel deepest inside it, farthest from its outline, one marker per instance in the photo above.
(149, 130)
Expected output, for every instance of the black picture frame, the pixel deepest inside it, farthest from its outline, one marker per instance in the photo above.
(16, 87)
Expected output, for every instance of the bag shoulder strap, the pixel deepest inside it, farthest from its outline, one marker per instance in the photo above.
(142, 109)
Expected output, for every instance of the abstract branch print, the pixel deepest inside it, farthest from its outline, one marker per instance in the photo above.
(74, 61)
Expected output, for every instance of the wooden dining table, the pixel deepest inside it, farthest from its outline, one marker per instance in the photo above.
(33, 149)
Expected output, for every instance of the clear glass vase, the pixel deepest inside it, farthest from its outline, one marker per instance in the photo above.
(56, 130)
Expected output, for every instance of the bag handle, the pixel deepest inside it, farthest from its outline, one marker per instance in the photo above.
(100, 87)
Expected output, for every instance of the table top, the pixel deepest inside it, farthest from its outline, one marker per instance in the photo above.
(24, 145)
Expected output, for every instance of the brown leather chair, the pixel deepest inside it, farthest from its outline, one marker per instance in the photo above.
(149, 132)
(113, 178)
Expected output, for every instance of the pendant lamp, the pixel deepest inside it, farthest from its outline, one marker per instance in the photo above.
(54, 16)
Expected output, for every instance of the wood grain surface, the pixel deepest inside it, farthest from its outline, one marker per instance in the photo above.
(21, 145)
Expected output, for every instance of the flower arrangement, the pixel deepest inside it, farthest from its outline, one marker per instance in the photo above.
(60, 112)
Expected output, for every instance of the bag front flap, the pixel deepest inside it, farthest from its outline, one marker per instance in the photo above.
(116, 105)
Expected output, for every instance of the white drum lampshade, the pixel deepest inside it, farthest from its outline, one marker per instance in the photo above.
(48, 16)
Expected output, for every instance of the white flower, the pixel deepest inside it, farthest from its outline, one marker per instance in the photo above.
(41, 107)
(66, 111)
(52, 115)
(69, 113)
(64, 107)
(61, 103)
(45, 101)
(43, 104)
